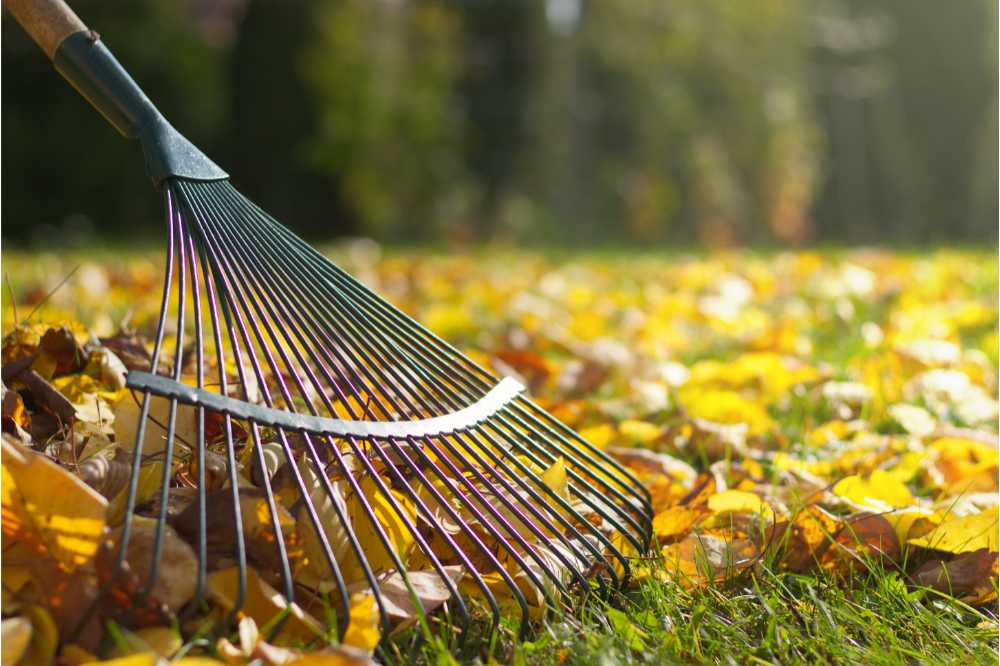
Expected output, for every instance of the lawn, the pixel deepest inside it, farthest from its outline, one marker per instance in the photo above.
(817, 429)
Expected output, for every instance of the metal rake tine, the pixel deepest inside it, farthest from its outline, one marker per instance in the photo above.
(202, 545)
(344, 602)
(172, 409)
(524, 544)
(397, 318)
(447, 581)
(375, 523)
(231, 464)
(363, 366)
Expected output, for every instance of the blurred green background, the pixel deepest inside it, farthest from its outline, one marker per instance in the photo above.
(673, 122)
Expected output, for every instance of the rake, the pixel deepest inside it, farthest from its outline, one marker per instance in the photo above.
(409, 461)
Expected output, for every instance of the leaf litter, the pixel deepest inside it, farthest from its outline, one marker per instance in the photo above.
(804, 412)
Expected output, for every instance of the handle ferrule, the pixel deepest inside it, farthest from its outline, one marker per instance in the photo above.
(89, 66)
(48, 22)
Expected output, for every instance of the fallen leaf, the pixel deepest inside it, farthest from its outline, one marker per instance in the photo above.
(15, 635)
(863, 538)
(970, 577)
(962, 534)
(263, 603)
(881, 491)
(676, 521)
(178, 566)
(363, 630)
(430, 589)
(735, 501)
(44, 503)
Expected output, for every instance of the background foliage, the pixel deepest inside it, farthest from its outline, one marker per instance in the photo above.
(567, 120)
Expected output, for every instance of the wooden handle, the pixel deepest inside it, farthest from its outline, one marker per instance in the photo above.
(48, 22)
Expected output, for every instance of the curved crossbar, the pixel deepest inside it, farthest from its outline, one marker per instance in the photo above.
(497, 397)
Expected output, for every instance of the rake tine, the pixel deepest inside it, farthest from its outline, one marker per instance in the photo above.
(425, 443)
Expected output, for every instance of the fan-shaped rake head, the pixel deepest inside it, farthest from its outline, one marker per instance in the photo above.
(361, 453)
(312, 437)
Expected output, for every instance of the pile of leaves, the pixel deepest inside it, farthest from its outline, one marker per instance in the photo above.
(798, 412)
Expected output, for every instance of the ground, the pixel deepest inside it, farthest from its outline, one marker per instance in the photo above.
(818, 430)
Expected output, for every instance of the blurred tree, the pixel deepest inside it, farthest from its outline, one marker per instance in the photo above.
(907, 90)
(384, 76)
(563, 120)
(68, 173)
(502, 41)
(683, 120)
(274, 117)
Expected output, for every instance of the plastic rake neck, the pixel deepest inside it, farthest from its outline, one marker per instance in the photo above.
(401, 463)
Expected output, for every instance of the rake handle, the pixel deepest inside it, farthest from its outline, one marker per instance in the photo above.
(48, 22)
(85, 62)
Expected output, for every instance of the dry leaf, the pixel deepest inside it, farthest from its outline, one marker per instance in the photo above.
(676, 521)
(962, 534)
(263, 603)
(16, 635)
(176, 578)
(881, 491)
(430, 589)
(971, 577)
(45, 504)
(863, 538)
(363, 631)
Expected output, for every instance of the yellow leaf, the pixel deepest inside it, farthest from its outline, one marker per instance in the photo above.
(144, 659)
(965, 465)
(363, 631)
(399, 536)
(81, 390)
(735, 501)
(600, 435)
(641, 432)
(676, 521)
(912, 521)
(555, 478)
(162, 641)
(726, 407)
(74, 654)
(44, 502)
(339, 656)
(44, 637)
(150, 482)
(962, 534)
(263, 603)
(16, 634)
(879, 492)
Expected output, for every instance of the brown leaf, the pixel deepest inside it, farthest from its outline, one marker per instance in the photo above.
(258, 528)
(175, 579)
(971, 577)
(124, 600)
(47, 396)
(526, 365)
(130, 348)
(60, 345)
(107, 476)
(863, 538)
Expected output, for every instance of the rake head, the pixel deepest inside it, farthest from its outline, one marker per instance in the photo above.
(412, 473)
(333, 446)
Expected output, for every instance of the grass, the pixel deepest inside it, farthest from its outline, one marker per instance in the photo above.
(761, 618)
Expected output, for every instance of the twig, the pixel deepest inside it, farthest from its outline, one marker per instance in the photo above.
(13, 301)
(49, 295)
